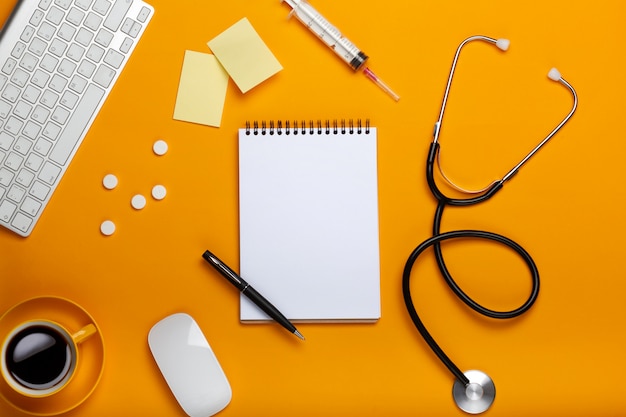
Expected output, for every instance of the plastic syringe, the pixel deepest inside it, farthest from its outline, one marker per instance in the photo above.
(333, 38)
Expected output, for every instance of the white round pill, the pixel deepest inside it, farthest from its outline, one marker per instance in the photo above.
(109, 181)
(138, 202)
(158, 192)
(160, 147)
(107, 228)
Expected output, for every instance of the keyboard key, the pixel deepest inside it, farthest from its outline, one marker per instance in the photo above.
(31, 130)
(69, 99)
(22, 109)
(27, 33)
(55, 15)
(6, 177)
(75, 16)
(42, 147)
(11, 93)
(75, 52)
(49, 173)
(22, 145)
(86, 69)
(16, 194)
(39, 190)
(64, 4)
(104, 75)
(58, 47)
(92, 21)
(30, 206)
(126, 45)
(18, 50)
(37, 46)
(13, 161)
(102, 6)
(84, 37)
(28, 62)
(8, 66)
(19, 77)
(40, 114)
(49, 99)
(46, 31)
(76, 124)
(104, 37)
(34, 162)
(58, 83)
(25, 177)
(51, 131)
(5, 109)
(44, 4)
(95, 53)
(49, 63)
(114, 58)
(78, 84)
(83, 4)
(66, 32)
(144, 13)
(21, 222)
(6, 141)
(60, 115)
(36, 18)
(13, 125)
(6, 210)
(117, 14)
(127, 25)
(67, 68)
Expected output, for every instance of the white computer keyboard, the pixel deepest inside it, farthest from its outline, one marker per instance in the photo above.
(58, 61)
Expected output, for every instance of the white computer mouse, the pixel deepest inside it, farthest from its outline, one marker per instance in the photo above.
(189, 365)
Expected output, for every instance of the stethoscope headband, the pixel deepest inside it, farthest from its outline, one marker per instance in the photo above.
(503, 45)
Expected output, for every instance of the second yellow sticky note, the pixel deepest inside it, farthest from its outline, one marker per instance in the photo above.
(244, 55)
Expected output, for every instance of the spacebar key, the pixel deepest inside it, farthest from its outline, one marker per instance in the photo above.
(78, 122)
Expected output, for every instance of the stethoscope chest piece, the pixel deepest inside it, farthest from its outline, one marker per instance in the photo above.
(477, 396)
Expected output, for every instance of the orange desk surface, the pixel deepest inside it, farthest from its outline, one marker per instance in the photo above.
(566, 207)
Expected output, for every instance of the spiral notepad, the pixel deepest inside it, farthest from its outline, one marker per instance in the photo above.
(308, 210)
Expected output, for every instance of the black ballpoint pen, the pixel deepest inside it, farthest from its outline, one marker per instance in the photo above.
(247, 290)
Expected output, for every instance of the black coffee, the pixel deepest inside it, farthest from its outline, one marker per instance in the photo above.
(38, 357)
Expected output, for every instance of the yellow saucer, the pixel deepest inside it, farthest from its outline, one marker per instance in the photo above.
(91, 362)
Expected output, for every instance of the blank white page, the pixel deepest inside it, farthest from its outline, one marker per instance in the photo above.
(308, 210)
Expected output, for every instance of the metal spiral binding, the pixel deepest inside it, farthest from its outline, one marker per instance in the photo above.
(327, 127)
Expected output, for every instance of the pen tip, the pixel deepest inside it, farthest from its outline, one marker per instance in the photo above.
(297, 333)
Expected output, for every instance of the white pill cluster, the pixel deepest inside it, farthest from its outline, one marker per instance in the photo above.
(137, 201)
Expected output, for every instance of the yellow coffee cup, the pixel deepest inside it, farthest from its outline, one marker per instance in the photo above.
(39, 357)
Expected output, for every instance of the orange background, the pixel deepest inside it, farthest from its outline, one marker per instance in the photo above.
(564, 357)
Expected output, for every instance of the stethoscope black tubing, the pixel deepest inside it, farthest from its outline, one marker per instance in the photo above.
(435, 242)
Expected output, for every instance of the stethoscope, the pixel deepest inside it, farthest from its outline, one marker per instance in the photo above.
(473, 391)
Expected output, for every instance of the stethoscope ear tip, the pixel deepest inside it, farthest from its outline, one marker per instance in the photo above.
(477, 396)
(554, 75)
(503, 44)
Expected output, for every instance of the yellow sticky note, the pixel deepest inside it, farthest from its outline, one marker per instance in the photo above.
(244, 55)
(201, 90)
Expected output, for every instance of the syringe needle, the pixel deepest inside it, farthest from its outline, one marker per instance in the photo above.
(370, 74)
(334, 39)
